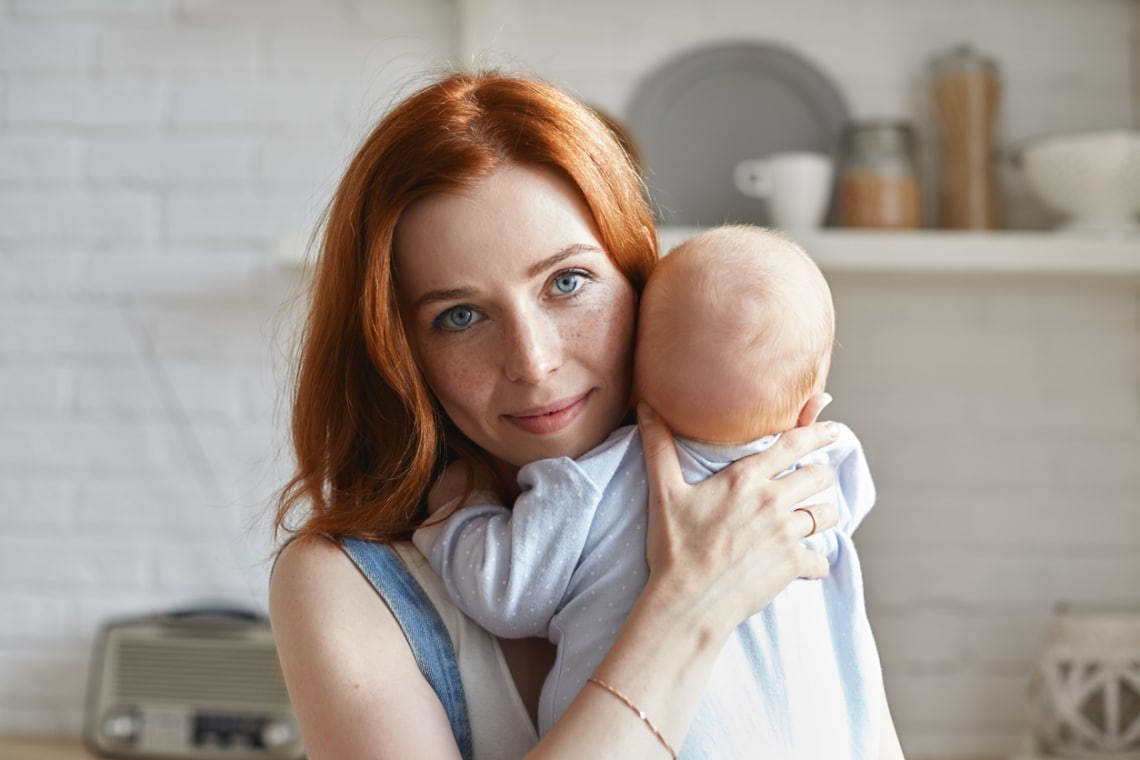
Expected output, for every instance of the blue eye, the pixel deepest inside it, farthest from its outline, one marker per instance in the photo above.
(568, 282)
(455, 318)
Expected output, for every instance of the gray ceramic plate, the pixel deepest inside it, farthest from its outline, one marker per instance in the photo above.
(700, 113)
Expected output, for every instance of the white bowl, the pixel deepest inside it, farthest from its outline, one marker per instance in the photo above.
(1093, 178)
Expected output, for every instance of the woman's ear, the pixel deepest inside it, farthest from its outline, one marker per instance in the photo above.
(812, 408)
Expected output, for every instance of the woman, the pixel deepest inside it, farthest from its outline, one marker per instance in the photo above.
(474, 302)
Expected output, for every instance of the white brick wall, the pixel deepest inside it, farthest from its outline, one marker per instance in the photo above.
(157, 156)
(1002, 421)
(153, 158)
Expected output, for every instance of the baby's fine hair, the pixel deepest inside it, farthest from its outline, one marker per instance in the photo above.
(764, 308)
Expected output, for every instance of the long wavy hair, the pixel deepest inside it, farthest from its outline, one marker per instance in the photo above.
(368, 435)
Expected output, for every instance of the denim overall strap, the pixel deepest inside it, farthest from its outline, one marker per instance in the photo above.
(422, 626)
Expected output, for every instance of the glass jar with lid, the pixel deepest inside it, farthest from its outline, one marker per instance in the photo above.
(879, 184)
(966, 92)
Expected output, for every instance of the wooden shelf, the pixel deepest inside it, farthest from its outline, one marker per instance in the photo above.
(936, 251)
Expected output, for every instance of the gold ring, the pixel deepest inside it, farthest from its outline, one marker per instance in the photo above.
(814, 524)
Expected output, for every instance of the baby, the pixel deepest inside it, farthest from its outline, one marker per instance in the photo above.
(735, 334)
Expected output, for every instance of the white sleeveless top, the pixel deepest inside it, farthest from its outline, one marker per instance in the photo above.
(501, 729)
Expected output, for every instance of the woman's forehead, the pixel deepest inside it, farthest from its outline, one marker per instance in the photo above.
(505, 225)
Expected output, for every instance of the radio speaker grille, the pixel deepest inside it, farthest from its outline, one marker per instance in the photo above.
(197, 671)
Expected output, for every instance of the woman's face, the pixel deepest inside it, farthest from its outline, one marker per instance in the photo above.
(520, 322)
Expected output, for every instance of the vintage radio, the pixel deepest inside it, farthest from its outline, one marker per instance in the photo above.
(199, 683)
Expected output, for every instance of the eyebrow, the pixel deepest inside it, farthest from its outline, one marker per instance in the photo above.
(573, 249)
(457, 294)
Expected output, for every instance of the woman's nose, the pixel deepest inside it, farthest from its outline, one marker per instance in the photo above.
(534, 350)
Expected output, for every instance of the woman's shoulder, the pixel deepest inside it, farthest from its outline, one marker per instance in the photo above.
(305, 550)
(333, 628)
(316, 586)
(309, 561)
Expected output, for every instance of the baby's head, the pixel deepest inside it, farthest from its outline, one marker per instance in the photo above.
(735, 332)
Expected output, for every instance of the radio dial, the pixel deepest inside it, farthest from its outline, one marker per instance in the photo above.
(122, 726)
(276, 733)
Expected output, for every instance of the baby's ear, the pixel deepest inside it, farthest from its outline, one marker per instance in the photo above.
(812, 408)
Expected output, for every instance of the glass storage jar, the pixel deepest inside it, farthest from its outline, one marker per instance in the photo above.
(966, 93)
(878, 180)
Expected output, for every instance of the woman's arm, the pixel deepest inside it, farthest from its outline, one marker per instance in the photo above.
(351, 675)
(358, 693)
(718, 552)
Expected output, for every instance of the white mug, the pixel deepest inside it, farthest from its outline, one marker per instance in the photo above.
(796, 185)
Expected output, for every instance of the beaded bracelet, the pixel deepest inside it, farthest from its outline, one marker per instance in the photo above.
(637, 711)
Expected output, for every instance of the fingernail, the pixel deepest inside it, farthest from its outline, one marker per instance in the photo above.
(644, 415)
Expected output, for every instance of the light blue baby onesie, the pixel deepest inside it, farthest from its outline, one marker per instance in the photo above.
(800, 679)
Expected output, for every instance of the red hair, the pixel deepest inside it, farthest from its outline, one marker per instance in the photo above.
(368, 435)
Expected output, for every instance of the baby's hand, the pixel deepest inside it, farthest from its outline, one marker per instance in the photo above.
(452, 484)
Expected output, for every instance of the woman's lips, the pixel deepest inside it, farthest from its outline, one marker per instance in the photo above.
(550, 418)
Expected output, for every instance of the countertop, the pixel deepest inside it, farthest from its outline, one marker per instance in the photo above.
(41, 748)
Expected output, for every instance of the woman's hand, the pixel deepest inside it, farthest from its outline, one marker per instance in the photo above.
(718, 551)
(731, 543)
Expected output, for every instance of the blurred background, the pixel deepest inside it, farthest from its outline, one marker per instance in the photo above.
(162, 163)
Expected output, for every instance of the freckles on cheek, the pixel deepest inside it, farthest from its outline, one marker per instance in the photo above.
(452, 384)
(608, 328)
